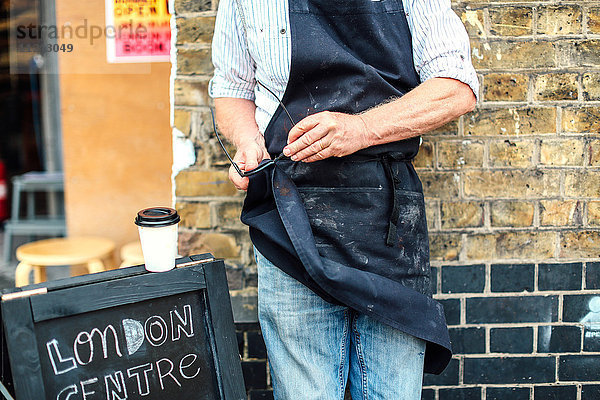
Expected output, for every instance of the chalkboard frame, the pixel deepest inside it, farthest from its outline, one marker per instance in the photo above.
(69, 297)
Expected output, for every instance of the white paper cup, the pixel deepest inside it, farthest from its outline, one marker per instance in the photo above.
(158, 235)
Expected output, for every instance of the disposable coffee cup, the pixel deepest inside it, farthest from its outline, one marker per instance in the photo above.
(158, 235)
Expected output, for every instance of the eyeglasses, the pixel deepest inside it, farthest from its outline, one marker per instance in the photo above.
(263, 164)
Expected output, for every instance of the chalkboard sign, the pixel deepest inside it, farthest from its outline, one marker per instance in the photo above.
(125, 334)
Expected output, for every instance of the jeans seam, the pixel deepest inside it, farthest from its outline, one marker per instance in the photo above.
(343, 355)
(361, 360)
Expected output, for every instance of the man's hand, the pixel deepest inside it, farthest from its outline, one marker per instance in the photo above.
(326, 134)
(250, 152)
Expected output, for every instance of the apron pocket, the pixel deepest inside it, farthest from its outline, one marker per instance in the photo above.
(350, 226)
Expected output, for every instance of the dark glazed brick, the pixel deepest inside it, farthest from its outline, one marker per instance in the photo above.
(575, 307)
(554, 392)
(512, 309)
(461, 394)
(511, 340)
(434, 279)
(463, 278)
(507, 370)
(255, 374)
(590, 392)
(467, 340)
(451, 310)
(560, 276)
(261, 395)
(446, 378)
(256, 345)
(559, 339)
(512, 277)
(516, 393)
(579, 368)
(592, 276)
(428, 394)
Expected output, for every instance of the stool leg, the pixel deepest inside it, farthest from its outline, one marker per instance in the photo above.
(39, 273)
(22, 274)
(95, 266)
(7, 244)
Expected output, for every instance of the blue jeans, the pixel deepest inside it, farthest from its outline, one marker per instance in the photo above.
(315, 347)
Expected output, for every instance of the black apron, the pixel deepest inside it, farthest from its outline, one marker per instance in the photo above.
(352, 229)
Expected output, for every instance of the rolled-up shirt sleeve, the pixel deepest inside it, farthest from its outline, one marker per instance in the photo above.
(234, 68)
(441, 47)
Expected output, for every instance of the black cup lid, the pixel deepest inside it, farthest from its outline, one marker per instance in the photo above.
(157, 217)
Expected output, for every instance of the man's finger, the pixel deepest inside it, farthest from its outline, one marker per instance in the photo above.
(235, 178)
(303, 126)
(305, 141)
(317, 147)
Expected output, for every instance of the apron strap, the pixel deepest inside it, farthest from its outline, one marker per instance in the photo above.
(392, 235)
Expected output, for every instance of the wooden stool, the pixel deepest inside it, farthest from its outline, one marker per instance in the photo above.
(36, 256)
(131, 254)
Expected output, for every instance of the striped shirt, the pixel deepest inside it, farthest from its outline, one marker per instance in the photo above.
(439, 39)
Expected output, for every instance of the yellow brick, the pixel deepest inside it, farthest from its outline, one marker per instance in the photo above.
(582, 184)
(463, 154)
(228, 215)
(195, 30)
(444, 247)
(191, 93)
(511, 245)
(425, 157)
(512, 213)
(194, 62)
(594, 213)
(451, 128)
(559, 20)
(559, 212)
(509, 55)
(204, 183)
(510, 121)
(442, 185)
(473, 21)
(562, 152)
(581, 244)
(556, 87)
(594, 20)
(220, 245)
(182, 121)
(505, 87)
(591, 86)
(585, 53)
(462, 215)
(194, 215)
(511, 153)
(511, 21)
(513, 184)
(594, 153)
(584, 119)
(432, 212)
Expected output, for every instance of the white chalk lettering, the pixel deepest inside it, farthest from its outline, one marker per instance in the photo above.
(66, 393)
(182, 324)
(182, 367)
(134, 335)
(115, 386)
(153, 324)
(145, 368)
(87, 338)
(88, 382)
(90, 347)
(65, 364)
(160, 374)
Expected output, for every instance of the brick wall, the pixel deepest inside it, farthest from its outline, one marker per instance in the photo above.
(513, 202)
